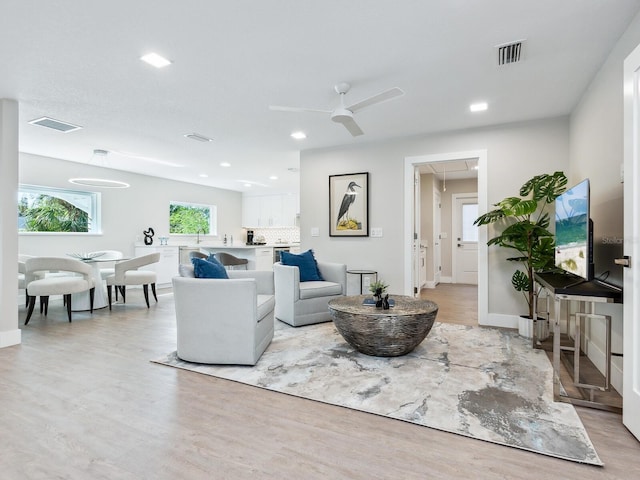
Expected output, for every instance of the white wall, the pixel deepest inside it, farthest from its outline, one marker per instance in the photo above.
(10, 334)
(596, 135)
(516, 152)
(125, 212)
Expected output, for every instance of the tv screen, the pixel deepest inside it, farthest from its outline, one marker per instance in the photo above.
(573, 241)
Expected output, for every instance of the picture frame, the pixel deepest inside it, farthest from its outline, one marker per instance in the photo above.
(349, 205)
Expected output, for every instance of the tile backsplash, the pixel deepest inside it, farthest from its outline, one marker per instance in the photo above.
(279, 235)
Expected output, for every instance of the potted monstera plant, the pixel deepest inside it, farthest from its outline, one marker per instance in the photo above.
(524, 224)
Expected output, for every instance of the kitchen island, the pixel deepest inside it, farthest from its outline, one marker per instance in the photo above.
(260, 257)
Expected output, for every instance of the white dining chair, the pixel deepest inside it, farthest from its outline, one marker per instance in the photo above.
(78, 279)
(126, 273)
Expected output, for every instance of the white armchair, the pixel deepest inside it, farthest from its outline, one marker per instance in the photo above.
(224, 321)
(303, 303)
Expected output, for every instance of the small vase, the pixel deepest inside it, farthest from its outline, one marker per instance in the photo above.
(378, 300)
(385, 302)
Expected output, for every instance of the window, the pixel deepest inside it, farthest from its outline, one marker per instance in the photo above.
(469, 230)
(57, 210)
(192, 218)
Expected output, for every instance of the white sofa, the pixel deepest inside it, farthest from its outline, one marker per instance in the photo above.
(224, 321)
(304, 303)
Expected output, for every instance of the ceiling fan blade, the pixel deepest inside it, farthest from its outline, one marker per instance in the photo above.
(280, 108)
(378, 98)
(351, 125)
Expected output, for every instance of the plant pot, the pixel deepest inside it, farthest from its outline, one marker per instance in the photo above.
(526, 327)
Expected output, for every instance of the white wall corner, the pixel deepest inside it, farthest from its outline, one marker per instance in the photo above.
(10, 338)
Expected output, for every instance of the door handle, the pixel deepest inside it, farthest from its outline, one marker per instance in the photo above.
(624, 261)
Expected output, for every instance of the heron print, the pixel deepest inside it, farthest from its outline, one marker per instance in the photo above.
(348, 204)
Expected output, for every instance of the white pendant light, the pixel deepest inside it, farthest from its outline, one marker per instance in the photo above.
(99, 160)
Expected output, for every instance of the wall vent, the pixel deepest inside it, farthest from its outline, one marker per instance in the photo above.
(509, 52)
(48, 122)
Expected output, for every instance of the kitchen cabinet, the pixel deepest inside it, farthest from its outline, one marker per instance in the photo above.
(264, 258)
(270, 210)
(167, 267)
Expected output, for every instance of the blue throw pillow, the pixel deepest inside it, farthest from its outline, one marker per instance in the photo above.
(206, 269)
(305, 262)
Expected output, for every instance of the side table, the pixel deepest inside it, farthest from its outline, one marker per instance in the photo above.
(362, 273)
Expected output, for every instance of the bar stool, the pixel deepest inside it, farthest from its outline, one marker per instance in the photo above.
(230, 261)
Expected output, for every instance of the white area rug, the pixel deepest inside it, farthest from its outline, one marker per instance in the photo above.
(479, 382)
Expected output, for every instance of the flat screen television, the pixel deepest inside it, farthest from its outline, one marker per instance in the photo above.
(574, 232)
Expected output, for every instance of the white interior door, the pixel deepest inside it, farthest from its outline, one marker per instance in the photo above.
(437, 233)
(416, 232)
(464, 261)
(631, 308)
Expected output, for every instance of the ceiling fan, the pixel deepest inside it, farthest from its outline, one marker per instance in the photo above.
(344, 113)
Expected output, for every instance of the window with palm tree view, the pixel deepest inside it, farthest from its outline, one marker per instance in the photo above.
(192, 218)
(48, 209)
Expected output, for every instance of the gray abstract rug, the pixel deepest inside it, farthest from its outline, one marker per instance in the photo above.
(482, 383)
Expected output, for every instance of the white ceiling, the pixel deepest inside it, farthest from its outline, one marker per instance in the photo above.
(78, 61)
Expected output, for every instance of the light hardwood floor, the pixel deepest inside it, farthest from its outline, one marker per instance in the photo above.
(82, 401)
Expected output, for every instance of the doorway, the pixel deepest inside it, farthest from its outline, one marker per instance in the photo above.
(412, 229)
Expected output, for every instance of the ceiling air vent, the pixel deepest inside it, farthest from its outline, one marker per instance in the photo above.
(509, 52)
(63, 127)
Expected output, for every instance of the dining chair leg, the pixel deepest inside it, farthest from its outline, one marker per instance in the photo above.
(153, 290)
(67, 300)
(45, 300)
(109, 294)
(41, 305)
(32, 303)
(145, 289)
(123, 290)
(92, 294)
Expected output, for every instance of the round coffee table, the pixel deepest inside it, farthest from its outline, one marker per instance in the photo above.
(383, 333)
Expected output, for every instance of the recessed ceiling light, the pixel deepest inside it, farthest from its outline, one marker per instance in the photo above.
(156, 60)
(478, 107)
(225, 164)
(273, 177)
(299, 135)
(198, 137)
(203, 175)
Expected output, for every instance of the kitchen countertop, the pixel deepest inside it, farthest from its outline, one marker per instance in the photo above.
(218, 245)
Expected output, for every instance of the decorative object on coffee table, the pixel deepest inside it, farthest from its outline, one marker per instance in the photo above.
(383, 333)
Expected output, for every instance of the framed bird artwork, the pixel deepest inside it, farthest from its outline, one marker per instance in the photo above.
(349, 205)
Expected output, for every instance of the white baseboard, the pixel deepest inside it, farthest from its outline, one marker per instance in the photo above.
(598, 358)
(10, 337)
(501, 320)
(446, 280)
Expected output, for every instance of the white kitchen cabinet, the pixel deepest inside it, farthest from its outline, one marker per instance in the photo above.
(167, 267)
(264, 258)
(270, 210)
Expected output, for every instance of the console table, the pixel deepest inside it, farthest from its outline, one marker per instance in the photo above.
(561, 288)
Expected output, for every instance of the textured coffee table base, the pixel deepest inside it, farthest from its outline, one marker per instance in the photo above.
(383, 333)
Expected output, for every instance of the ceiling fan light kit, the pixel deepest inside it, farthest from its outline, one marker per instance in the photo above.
(343, 114)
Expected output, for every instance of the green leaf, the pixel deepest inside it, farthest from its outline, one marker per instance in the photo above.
(520, 281)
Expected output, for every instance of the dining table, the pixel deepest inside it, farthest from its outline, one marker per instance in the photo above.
(81, 301)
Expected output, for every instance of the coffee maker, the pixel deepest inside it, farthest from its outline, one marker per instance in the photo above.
(249, 237)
